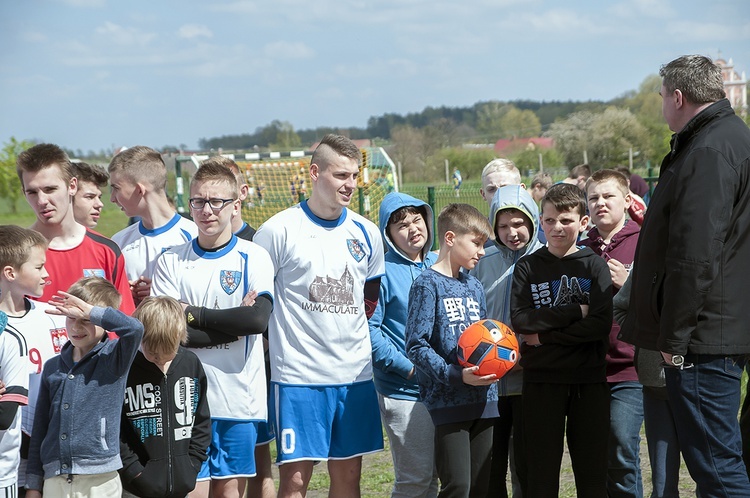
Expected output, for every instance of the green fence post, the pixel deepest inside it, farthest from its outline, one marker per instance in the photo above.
(431, 202)
(650, 172)
(361, 195)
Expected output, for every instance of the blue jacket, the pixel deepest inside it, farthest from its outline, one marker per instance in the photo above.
(495, 269)
(391, 367)
(77, 423)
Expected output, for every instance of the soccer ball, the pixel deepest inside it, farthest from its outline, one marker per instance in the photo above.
(490, 344)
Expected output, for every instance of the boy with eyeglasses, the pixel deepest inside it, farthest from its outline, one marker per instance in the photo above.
(138, 179)
(211, 275)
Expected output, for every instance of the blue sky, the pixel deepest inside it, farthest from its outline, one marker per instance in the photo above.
(95, 74)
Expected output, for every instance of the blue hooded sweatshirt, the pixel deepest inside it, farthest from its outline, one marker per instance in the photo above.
(391, 367)
(495, 268)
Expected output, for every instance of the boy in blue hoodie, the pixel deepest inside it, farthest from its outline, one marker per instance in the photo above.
(405, 223)
(515, 220)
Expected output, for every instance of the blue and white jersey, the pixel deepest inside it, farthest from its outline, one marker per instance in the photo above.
(141, 247)
(219, 280)
(13, 371)
(318, 332)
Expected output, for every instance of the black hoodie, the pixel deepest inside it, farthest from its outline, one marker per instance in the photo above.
(166, 427)
(546, 298)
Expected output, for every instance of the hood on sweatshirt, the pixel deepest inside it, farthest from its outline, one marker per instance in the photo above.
(392, 203)
(516, 197)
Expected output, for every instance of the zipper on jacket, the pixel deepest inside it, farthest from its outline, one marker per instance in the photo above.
(166, 410)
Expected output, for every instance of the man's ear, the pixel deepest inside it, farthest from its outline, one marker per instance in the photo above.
(314, 172)
(679, 99)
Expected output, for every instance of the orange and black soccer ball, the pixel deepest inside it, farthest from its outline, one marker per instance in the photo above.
(491, 345)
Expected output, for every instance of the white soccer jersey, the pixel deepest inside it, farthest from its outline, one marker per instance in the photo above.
(13, 373)
(44, 335)
(318, 333)
(235, 371)
(141, 247)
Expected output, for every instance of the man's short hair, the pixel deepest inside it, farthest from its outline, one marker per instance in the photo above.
(164, 327)
(335, 145)
(16, 244)
(91, 173)
(141, 163)
(502, 165)
(696, 76)
(227, 163)
(544, 180)
(463, 219)
(565, 197)
(214, 172)
(609, 175)
(583, 170)
(42, 156)
(96, 291)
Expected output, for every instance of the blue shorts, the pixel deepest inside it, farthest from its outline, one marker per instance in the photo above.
(325, 423)
(265, 433)
(232, 450)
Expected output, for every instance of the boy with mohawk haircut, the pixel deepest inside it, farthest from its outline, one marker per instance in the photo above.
(138, 179)
(443, 301)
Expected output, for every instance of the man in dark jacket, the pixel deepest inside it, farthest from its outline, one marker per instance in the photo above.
(692, 265)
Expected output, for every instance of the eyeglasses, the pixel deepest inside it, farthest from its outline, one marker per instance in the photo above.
(198, 203)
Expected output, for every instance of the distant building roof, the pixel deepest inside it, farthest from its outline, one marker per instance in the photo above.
(515, 144)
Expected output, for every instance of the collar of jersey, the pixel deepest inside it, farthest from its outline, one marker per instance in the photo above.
(320, 221)
(202, 253)
(157, 231)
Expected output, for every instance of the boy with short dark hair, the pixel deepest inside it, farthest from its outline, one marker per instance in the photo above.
(23, 275)
(166, 425)
(75, 444)
(443, 301)
(138, 179)
(562, 305)
(87, 203)
(614, 237)
(406, 225)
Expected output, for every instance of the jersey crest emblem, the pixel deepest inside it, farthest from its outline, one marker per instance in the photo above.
(94, 272)
(59, 338)
(230, 280)
(355, 249)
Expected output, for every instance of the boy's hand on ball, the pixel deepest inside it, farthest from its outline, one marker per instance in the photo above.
(471, 378)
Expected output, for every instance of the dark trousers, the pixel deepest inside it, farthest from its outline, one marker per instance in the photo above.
(508, 423)
(745, 424)
(550, 411)
(462, 457)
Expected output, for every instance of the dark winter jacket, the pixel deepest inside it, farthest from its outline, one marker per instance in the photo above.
(546, 299)
(621, 355)
(166, 427)
(693, 259)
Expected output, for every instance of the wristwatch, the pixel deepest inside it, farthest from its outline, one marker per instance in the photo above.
(678, 360)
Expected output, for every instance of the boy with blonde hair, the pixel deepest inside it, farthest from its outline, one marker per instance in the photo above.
(138, 179)
(561, 303)
(41, 335)
(443, 301)
(211, 275)
(239, 227)
(496, 174)
(615, 237)
(166, 425)
(74, 251)
(75, 447)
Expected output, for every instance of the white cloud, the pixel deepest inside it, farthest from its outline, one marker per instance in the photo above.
(237, 7)
(288, 50)
(659, 9)
(190, 31)
(706, 31)
(123, 35)
(34, 37)
(85, 3)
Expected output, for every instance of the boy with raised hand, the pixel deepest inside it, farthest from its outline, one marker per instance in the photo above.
(515, 217)
(49, 184)
(561, 303)
(327, 262)
(75, 447)
(216, 271)
(87, 203)
(22, 275)
(138, 182)
(166, 425)
(13, 369)
(443, 301)
(406, 225)
(614, 237)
